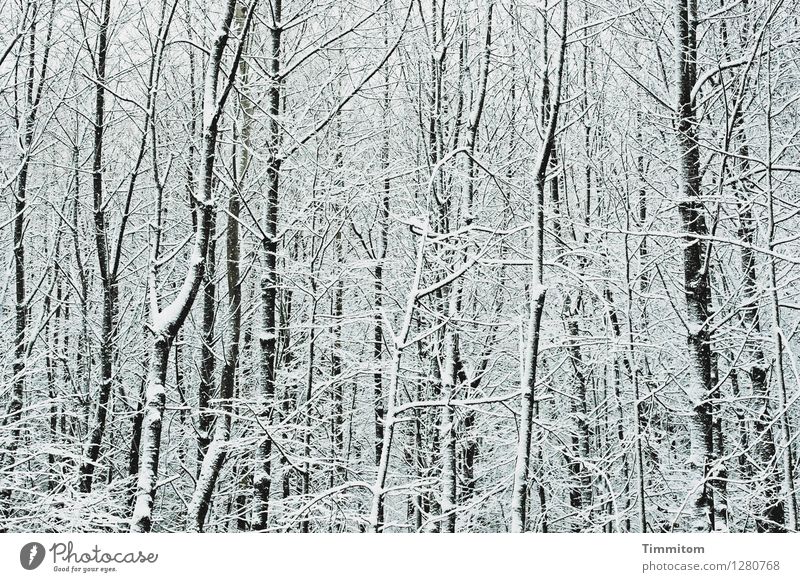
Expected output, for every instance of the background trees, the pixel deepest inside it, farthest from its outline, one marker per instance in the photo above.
(399, 266)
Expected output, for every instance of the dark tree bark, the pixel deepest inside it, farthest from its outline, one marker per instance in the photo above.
(267, 339)
(26, 124)
(167, 322)
(519, 497)
(697, 292)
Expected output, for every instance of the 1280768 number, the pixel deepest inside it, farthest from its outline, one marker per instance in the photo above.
(756, 565)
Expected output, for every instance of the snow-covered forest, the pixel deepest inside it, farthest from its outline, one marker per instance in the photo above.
(399, 265)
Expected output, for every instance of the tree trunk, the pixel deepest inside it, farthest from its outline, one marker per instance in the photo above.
(519, 492)
(215, 456)
(778, 337)
(27, 124)
(700, 499)
(167, 322)
(101, 241)
(267, 339)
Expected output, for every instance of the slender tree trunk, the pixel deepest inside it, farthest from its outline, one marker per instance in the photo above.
(337, 417)
(378, 490)
(631, 361)
(27, 124)
(101, 241)
(338, 462)
(380, 259)
(207, 360)
(771, 510)
(777, 332)
(519, 492)
(451, 358)
(109, 258)
(167, 322)
(216, 455)
(267, 339)
(700, 498)
(772, 517)
(447, 432)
